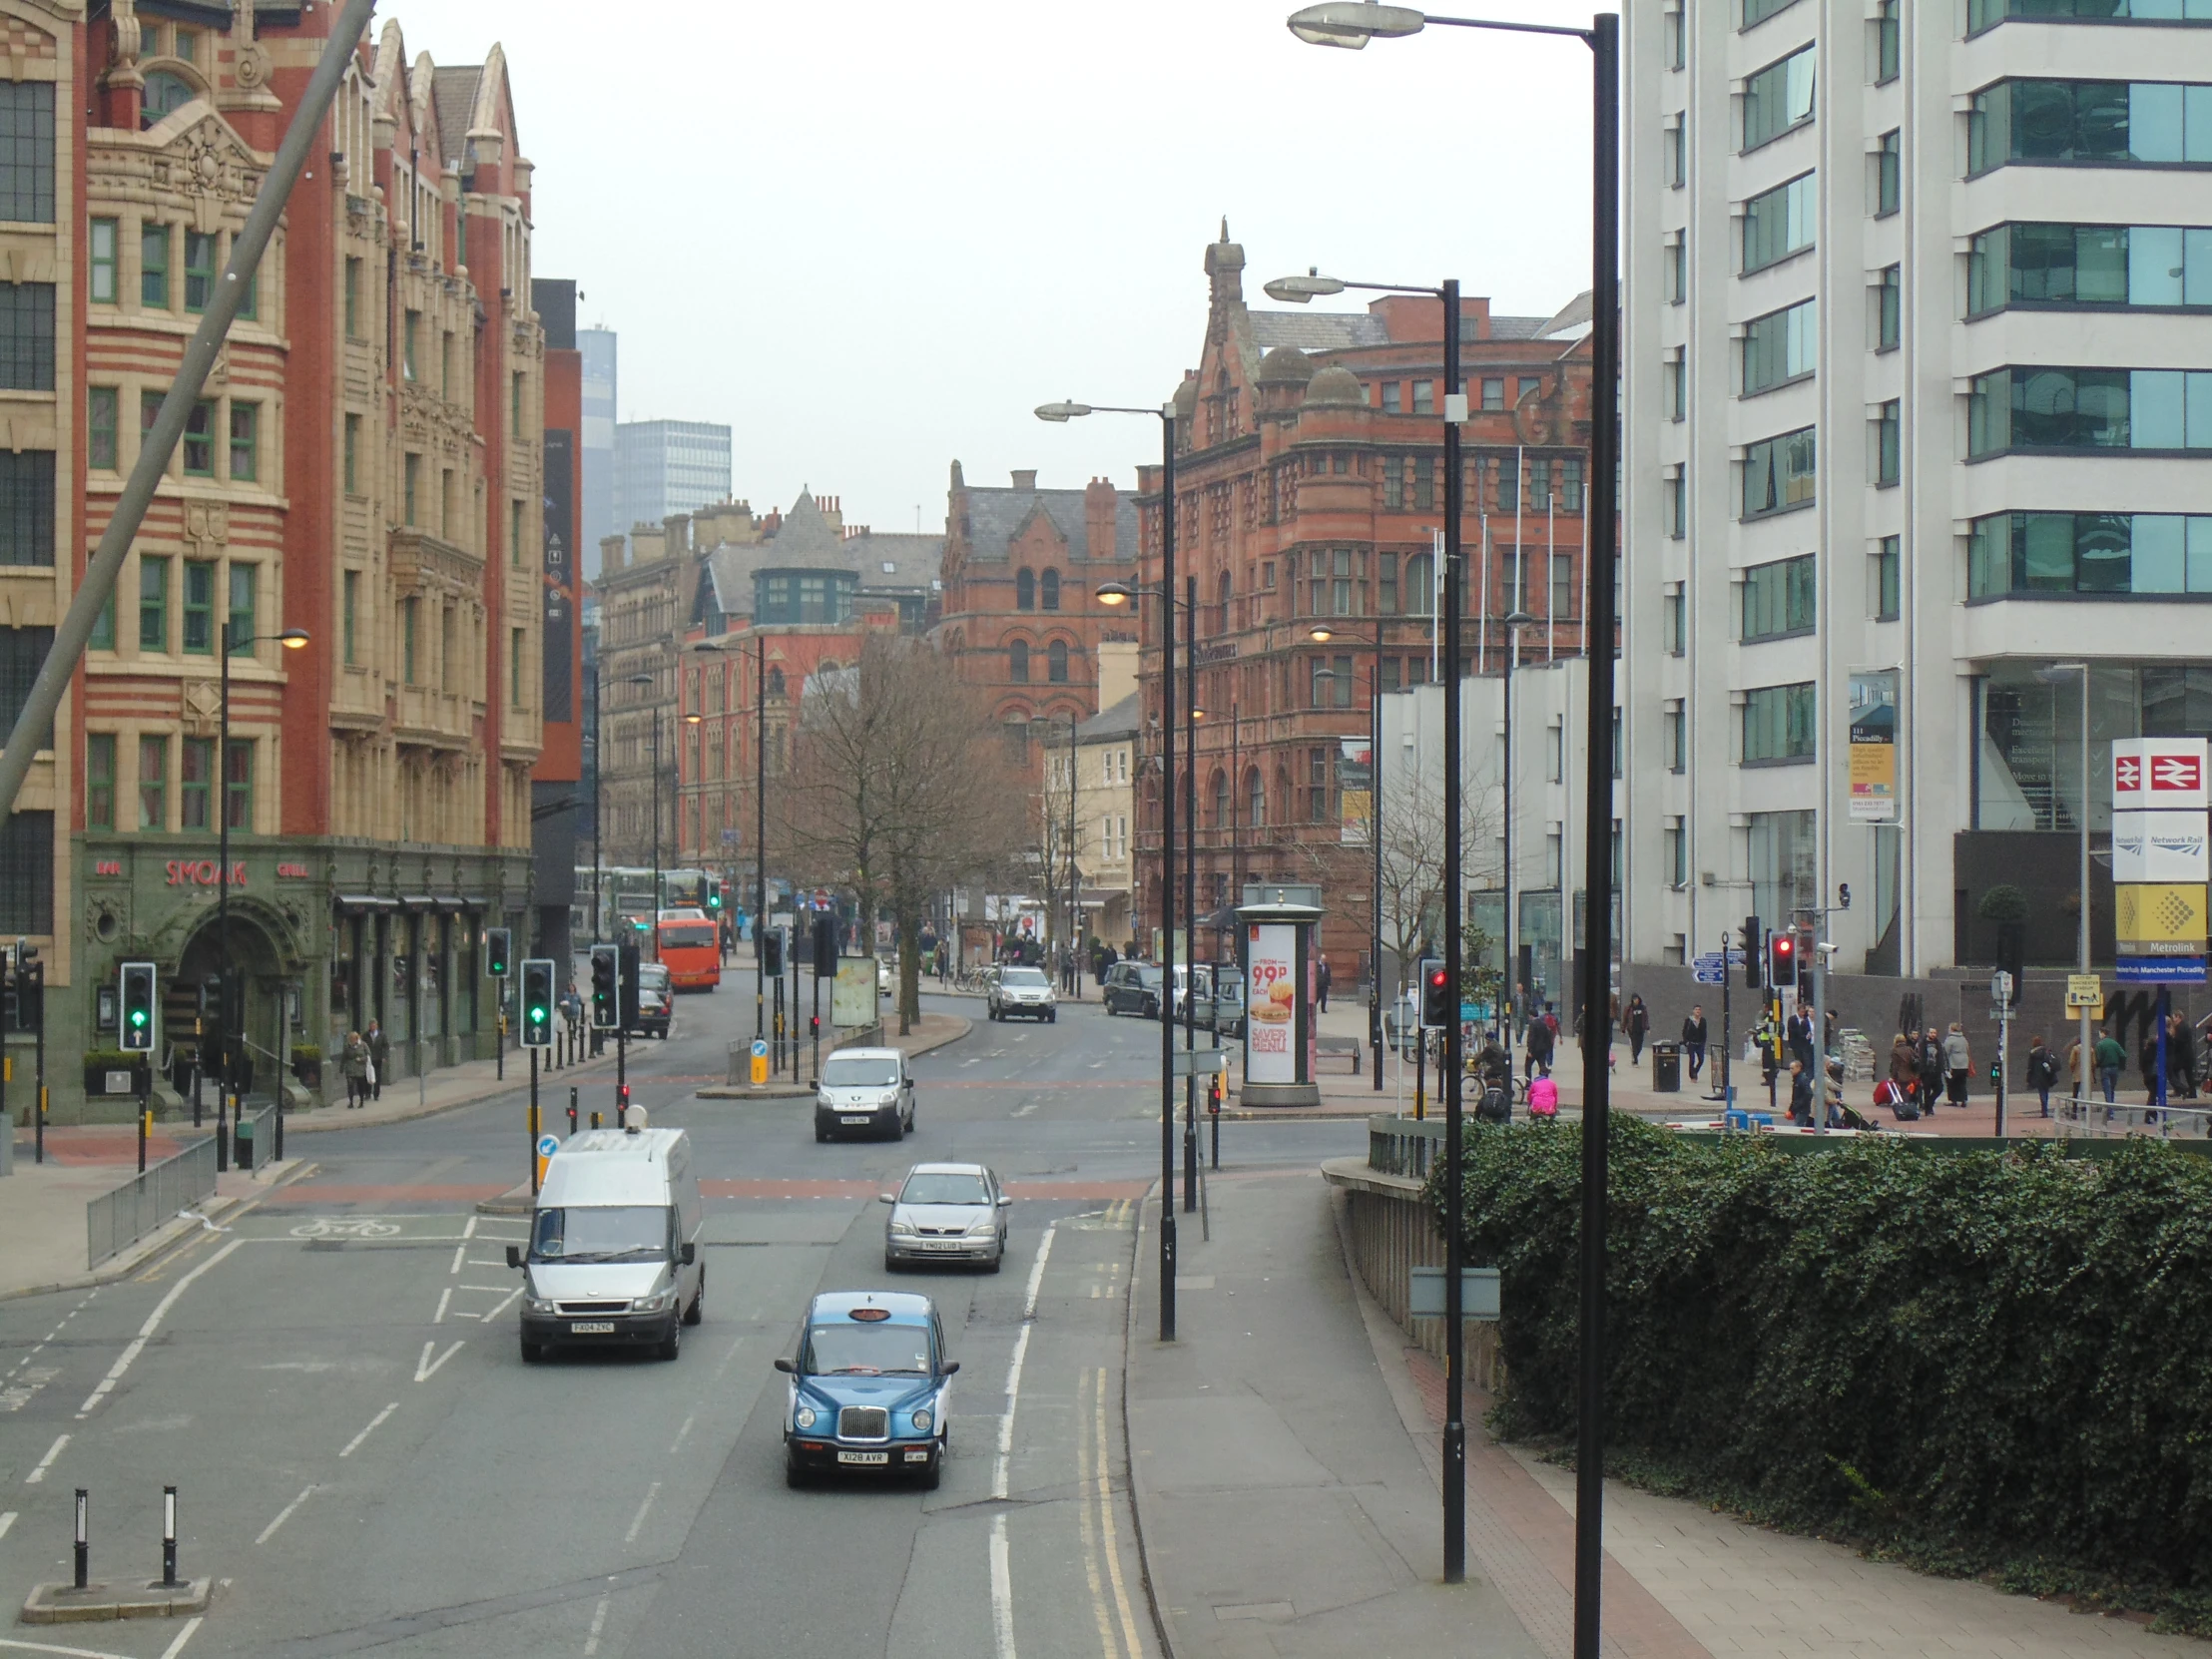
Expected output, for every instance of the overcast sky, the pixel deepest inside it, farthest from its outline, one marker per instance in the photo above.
(873, 235)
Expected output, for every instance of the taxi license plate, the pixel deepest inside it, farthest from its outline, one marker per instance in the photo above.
(852, 1120)
(864, 1456)
(592, 1328)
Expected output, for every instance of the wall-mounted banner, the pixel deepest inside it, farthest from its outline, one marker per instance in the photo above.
(1874, 747)
(2160, 847)
(1354, 792)
(2159, 774)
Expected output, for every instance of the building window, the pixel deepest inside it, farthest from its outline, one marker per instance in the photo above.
(244, 582)
(154, 266)
(1570, 486)
(102, 416)
(514, 534)
(1778, 723)
(353, 454)
(153, 783)
(103, 624)
(1889, 164)
(410, 615)
(1391, 397)
(1025, 590)
(27, 337)
(1018, 662)
(237, 785)
(1419, 590)
(1778, 474)
(514, 688)
(1780, 348)
(445, 365)
(1675, 383)
(244, 442)
(199, 268)
(1757, 11)
(1677, 507)
(153, 602)
(1493, 391)
(1777, 98)
(514, 404)
(1048, 595)
(2019, 410)
(1328, 681)
(410, 336)
(1887, 574)
(2039, 264)
(1056, 662)
(1673, 736)
(1673, 623)
(100, 780)
(198, 607)
(1424, 397)
(2113, 123)
(1884, 42)
(27, 507)
(410, 479)
(27, 873)
(22, 653)
(350, 620)
(1674, 271)
(164, 96)
(2097, 554)
(195, 784)
(1674, 142)
(352, 297)
(1671, 23)
(199, 443)
(1677, 852)
(27, 154)
(1889, 308)
(250, 304)
(1385, 584)
(1780, 223)
(1779, 599)
(100, 257)
(1889, 444)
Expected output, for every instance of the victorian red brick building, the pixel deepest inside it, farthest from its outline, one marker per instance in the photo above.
(1310, 492)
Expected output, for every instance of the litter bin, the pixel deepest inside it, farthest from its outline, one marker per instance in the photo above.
(1666, 1068)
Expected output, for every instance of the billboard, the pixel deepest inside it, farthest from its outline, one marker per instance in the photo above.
(1355, 791)
(853, 1000)
(2165, 913)
(1874, 747)
(1271, 1023)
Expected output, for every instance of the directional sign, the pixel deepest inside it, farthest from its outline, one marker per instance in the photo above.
(1710, 976)
(1200, 1063)
(2084, 990)
(1478, 1294)
(1712, 958)
(2160, 970)
(548, 1145)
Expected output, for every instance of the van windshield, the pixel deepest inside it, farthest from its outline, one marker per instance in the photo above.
(601, 1233)
(848, 1072)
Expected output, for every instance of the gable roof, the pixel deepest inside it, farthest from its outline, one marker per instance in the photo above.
(998, 516)
(806, 540)
(453, 94)
(1120, 721)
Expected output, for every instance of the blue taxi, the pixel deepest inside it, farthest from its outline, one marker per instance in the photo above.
(868, 1388)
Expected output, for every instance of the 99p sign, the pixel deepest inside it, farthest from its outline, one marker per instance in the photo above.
(1271, 1027)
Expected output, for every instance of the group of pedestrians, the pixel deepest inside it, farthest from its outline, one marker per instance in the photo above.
(1933, 1066)
(366, 1054)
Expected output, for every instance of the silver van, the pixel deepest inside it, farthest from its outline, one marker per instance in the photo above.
(613, 1258)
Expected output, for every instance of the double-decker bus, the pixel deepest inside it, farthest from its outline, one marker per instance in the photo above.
(690, 950)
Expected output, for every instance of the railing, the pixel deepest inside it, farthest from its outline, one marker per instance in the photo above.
(1403, 1146)
(2094, 1120)
(120, 1219)
(257, 1139)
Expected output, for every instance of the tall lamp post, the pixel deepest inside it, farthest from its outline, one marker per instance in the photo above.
(758, 652)
(234, 997)
(1511, 946)
(1166, 417)
(2059, 674)
(1351, 24)
(1322, 635)
(653, 930)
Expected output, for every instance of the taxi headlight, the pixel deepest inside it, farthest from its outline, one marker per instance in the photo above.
(804, 1417)
(922, 1421)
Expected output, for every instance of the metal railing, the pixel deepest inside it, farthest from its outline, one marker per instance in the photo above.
(2094, 1120)
(257, 1139)
(120, 1219)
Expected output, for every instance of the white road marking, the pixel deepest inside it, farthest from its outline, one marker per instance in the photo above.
(460, 1254)
(374, 1424)
(1013, 1368)
(1024, 1111)
(145, 1332)
(7, 1519)
(283, 1515)
(182, 1636)
(637, 1522)
(469, 1232)
(598, 1624)
(1002, 1590)
(508, 1300)
(38, 1475)
(680, 1432)
(427, 1367)
(488, 1290)
(444, 1297)
(10, 1645)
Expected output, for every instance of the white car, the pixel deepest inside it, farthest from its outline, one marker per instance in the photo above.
(946, 1212)
(886, 976)
(1021, 991)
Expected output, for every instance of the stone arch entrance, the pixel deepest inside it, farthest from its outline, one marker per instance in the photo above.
(193, 1013)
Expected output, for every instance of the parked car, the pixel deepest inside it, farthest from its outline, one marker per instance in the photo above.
(867, 1090)
(1026, 991)
(887, 975)
(1131, 988)
(1224, 1012)
(946, 1212)
(869, 1388)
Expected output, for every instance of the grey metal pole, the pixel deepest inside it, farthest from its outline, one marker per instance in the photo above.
(760, 830)
(2085, 1054)
(1455, 1335)
(1190, 899)
(1167, 873)
(160, 439)
(1375, 847)
(233, 1032)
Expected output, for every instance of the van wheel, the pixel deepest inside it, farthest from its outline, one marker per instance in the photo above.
(532, 1353)
(674, 1346)
(820, 1134)
(698, 1308)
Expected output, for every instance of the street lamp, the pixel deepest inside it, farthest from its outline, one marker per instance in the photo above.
(654, 931)
(234, 997)
(759, 649)
(1512, 945)
(1065, 411)
(1320, 634)
(1351, 24)
(2055, 675)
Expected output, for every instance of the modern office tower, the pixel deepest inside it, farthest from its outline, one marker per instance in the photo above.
(598, 446)
(663, 467)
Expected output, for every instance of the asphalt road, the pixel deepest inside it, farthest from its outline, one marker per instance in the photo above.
(366, 1466)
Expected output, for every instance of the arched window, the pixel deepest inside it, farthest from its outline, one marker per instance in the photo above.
(1255, 798)
(1221, 800)
(1223, 588)
(166, 94)
(1419, 595)
(1056, 662)
(1051, 599)
(1025, 590)
(1018, 660)
(774, 682)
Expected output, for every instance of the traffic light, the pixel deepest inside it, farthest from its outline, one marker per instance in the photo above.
(605, 987)
(138, 1006)
(1755, 947)
(772, 953)
(1435, 994)
(537, 1002)
(714, 896)
(826, 946)
(1783, 972)
(629, 995)
(498, 941)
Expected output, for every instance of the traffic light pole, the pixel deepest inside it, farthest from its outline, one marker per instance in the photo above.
(533, 1123)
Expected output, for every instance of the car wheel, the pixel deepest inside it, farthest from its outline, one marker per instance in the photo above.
(820, 1134)
(932, 1472)
(891, 1261)
(1052, 1018)
(995, 1263)
(698, 1308)
(795, 1472)
(532, 1353)
(674, 1346)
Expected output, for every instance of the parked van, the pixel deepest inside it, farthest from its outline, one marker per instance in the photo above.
(613, 1258)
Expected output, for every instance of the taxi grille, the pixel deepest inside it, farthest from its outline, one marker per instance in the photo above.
(594, 1307)
(863, 1423)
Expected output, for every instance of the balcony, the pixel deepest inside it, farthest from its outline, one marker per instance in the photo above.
(436, 719)
(421, 562)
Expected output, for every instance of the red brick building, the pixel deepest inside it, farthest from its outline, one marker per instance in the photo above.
(1310, 492)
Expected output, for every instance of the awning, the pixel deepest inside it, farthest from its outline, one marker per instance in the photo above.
(366, 901)
(417, 901)
(448, 903)
(472, 903)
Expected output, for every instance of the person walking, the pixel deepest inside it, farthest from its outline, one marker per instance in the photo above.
(2181, 1054)
(1320, 982)
(2042, 1071)
(1797, 1037)
(1800, 1095)
(1958, 1065)
(1693, 1040)
(378, 1049)
(1537, 1045)
(1929, 1062)
(2111, 1060)
(355, 1062)
(1636, 1025)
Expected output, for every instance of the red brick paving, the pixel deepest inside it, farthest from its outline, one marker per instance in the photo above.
(109, 1144)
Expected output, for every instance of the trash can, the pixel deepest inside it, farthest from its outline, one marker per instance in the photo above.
(1666, 1068)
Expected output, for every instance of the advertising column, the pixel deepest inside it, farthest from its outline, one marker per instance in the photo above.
(1279, 1022)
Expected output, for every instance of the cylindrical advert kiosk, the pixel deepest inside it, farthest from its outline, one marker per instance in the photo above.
(1278, 1019)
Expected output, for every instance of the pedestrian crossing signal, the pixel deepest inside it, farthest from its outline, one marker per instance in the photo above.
(605, 987)
(537, 1002)
(138, 1007)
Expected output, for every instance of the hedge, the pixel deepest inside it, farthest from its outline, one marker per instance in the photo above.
(1997, 1360)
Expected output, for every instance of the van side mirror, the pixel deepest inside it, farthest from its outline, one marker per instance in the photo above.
(514, 1256)
(786, 1368)
(949, 1366)
(691, 1252)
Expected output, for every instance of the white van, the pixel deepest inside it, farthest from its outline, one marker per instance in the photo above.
(613, 1258)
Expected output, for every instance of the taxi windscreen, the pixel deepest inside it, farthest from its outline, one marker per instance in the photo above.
(855, 1350)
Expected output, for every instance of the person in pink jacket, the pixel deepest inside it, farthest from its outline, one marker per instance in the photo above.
(1543, 1099)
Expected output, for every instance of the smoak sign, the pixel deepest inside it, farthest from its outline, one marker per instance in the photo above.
(2159, 774)
(203, 872)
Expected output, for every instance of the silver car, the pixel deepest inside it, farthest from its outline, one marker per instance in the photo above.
(1021, 991)
(946, 1212)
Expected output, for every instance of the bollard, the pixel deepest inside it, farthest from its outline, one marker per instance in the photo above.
(84, 1538)
(169, 1537)
(222, 1132)
(572, 1111)
(595, 1120)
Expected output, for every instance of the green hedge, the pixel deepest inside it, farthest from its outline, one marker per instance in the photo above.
(1999, 1361)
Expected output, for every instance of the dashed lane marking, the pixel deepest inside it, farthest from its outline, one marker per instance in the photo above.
(137, 1344)
(375, 1422)
(285, 1514)
(37, 1477)
(637, 1522)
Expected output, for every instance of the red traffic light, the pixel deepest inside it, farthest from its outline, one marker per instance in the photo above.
(1784, 947)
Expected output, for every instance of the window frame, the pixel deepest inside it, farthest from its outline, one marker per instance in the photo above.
(100, 780)
(1784, 593)
(154, 234)
(1780, 196)
(1774, 450)
(1788, 713)
(108, 263)
(154, 602)
(1755, 99)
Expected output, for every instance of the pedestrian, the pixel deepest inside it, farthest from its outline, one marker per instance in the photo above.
(1537, 1046)
(2146, 1064)
(2042, 1071)
(2181, 1054)
(1902, 1067)
(1930, 1061)
(378, 1049)
(1321, 984)
(1693, 1040)
(1636, 1025)
(355, 1063)
(1797, 1036)
(2111, 1060)
(1957, 1064)
(1800, 1095)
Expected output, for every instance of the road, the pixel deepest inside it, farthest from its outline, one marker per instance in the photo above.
(366, 1466)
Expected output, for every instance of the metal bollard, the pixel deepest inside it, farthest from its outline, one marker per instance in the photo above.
(595, 1120)
(169, 1537)
(84, 1538)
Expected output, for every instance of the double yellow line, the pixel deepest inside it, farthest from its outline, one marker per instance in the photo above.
(1117, 1624)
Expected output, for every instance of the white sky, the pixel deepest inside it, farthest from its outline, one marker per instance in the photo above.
(873, 235)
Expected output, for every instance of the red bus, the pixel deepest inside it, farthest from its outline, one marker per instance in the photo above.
(692, 953)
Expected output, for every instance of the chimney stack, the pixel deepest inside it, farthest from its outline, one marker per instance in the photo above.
(1025, 481)
(1099, 500)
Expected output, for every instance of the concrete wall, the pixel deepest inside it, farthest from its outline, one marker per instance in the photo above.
(1388, 1232)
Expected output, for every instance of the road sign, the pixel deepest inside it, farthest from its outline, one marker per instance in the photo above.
(1713, 958)
(2160, 970)
(1480, 1297)
(2084, 990)
(548, 1145)
(759, 1048)
(1710, 976)
(1200, 1063)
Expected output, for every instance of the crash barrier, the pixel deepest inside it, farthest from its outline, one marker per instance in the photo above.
(118, 1220)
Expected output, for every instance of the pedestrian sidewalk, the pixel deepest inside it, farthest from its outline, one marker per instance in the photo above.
(1286, 1477)
(439, 1091)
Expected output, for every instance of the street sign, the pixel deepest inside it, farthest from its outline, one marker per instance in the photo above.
(548, 1145)
(1713, 960)
(1480, 1297)
(2084, 990)
(1200, 1063)
(1710, 976)
(2160, 970)
(759, 1048)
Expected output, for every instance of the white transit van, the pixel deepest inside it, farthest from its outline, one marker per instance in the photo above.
(613, 1258)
